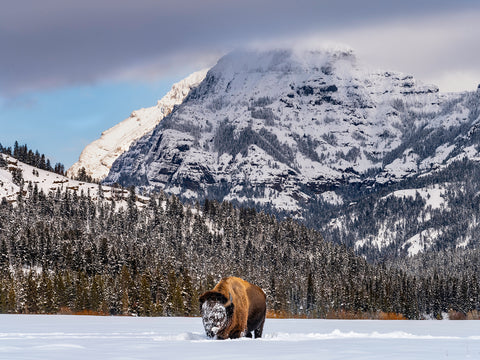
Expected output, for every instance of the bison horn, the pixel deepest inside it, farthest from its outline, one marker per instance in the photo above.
(230, 301)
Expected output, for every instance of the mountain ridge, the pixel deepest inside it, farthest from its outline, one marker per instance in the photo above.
(280, 119)
(98, 156)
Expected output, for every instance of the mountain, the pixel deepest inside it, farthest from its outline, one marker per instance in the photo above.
(285, 128)
(313, 135)
(434, 212)
(98, 157)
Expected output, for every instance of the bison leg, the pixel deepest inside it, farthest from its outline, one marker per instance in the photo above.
(259, 330)
(235, 334)
(248, 334)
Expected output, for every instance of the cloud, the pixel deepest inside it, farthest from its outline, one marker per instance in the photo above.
(438, 48)
(54, 43)
(457, 80)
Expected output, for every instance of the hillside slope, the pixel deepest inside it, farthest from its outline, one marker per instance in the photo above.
(16, 175)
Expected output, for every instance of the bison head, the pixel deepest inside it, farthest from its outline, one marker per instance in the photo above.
(216, 312)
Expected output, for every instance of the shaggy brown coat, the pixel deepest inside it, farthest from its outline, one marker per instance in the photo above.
(245, 305)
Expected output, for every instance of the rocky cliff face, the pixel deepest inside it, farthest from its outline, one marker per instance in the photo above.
(286, 129)
(98, 157)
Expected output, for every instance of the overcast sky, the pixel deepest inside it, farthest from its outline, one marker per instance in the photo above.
(83, 66)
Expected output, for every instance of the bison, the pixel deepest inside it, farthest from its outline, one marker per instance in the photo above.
(233, 309)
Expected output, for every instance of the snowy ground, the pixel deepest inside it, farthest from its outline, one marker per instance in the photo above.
(124, 338)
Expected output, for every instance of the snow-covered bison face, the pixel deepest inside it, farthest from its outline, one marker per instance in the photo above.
(214, 317)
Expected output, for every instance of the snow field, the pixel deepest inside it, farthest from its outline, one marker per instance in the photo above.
(125, 338)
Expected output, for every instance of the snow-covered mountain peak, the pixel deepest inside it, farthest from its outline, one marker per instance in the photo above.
(98, 156)
(276, 59)
(279, 62)
(279, 128)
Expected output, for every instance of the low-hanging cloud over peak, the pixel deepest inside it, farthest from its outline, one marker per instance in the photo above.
(54, 43)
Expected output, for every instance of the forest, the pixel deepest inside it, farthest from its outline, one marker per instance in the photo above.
(64, 252)
(33, 158)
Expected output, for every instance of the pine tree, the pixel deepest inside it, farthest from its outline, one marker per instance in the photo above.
(190, 295)
(82, 175)
(96, 294)
(48, 301)
(125, 283)
(4, 260)
(146, 303)
(82, 300)
(31, 294)
(16, 148)
(60, 291)
(311, 302)
(11, 298)
(175, 305)
(132, 208)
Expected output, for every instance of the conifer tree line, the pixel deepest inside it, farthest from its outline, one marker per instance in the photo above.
(374, 214)
(28, 156)
(63, 252)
